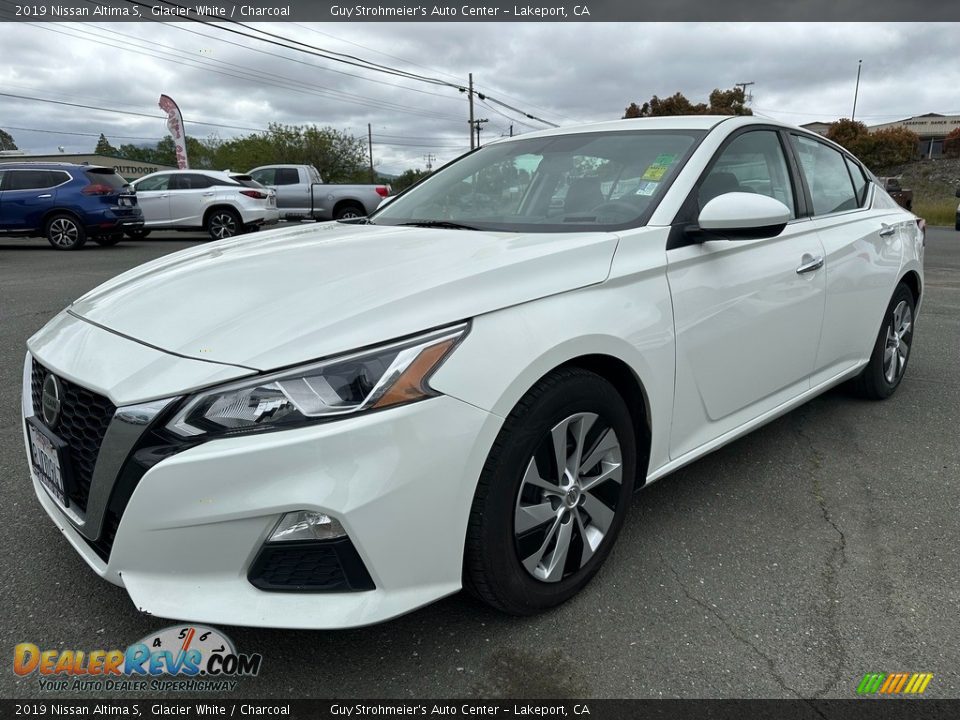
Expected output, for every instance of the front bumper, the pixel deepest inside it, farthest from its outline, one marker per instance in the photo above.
(400, 481)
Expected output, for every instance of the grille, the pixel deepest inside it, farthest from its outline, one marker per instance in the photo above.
(329, 566)
(84, 418)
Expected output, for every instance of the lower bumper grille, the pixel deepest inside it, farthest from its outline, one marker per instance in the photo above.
(315, 566)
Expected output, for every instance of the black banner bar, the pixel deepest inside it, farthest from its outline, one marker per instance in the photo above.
(554, 11)
(887, 709)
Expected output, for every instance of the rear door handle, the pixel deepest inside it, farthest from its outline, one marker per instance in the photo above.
(887, 230)
(44, 196)
(208, 194)
(809, 263)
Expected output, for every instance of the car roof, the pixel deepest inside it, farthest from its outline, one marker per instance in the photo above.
(30, 164)
(223, 174)
(666, 122)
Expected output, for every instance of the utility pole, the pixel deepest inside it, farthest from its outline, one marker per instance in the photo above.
(856, 91)
(743, 86)
(470, 97)
(477, 123)
(429, 157)
(373, 176)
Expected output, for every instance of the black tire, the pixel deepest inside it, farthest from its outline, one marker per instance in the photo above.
(137, 234)
(64, 232)
(876, 382)
(494, 570)
(108, 240)
(223, 223)
(348, 211)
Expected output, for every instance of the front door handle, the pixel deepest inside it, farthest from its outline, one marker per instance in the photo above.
(809, 263)
(48, 195)
(886, 230)
(209, 194)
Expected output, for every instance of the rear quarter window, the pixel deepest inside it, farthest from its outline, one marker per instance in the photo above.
(105, 176)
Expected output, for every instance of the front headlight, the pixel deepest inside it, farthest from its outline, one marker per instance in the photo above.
(382, 377)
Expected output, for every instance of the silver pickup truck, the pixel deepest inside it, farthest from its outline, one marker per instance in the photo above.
(302, 194)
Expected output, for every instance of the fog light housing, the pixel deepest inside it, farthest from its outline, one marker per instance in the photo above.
(306, 525)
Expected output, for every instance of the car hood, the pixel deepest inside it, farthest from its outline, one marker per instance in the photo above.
(290, 295)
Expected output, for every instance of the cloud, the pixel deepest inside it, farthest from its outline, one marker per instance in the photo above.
(564, 72)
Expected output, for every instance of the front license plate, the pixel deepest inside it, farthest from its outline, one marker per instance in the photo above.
(46, 462)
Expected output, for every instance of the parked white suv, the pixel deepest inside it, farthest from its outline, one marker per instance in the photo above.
(222, 203)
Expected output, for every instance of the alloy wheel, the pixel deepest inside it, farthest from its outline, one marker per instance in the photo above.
(568, 497)
(64, 232)
(896, 348)
(223, 225)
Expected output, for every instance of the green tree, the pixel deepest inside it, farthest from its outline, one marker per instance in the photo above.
(848, 133)
(951, 146)
(6, 141)
(407, 178)
(722, 102)
(877, 150)
(104, 147)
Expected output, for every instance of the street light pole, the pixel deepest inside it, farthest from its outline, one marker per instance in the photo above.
(856, 91)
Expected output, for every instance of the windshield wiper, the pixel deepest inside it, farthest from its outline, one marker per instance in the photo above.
(438, 224)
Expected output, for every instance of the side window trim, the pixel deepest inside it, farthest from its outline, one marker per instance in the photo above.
(844, 154)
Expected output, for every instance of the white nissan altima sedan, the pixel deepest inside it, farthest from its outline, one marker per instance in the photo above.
(330, 425)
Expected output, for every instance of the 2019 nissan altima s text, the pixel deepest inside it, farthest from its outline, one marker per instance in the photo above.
(330, 425)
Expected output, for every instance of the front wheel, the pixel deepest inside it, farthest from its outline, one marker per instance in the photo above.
(553, 494)
(888, 362)
(223, 224)
(64, 232)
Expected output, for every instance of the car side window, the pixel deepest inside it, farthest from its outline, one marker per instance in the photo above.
(825, 169)
(287, 176)
(31, 180)
(264, 177)
(155, 183)
(859, 181)
(752, 163)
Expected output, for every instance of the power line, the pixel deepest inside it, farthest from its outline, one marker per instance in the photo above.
(126, 112)
(198, 63)
(332, 55)
(68, 132)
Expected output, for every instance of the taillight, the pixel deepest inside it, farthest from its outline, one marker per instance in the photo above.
(383, 190)
(98, 189)
(255, 194)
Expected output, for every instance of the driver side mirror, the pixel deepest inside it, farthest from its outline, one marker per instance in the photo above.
(744, 216)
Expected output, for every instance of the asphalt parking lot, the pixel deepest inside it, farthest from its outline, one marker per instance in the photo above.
(790, 563)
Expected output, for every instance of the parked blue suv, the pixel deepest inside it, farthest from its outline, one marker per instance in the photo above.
(66, 203)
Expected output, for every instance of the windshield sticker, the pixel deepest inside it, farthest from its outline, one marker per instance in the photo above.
(655, 172)
(647, 188)
(665, 160)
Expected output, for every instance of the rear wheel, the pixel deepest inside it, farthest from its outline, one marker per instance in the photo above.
(138, 234)
(64, 232)
(891, 352)
(553, 494)
(223, 223)
(349, 211)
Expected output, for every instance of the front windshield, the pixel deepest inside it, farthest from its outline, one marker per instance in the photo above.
(560, 183)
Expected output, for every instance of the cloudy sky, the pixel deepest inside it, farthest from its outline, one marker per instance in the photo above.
(565, 73)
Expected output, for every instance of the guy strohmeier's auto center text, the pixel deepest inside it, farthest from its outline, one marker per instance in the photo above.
(462, 11)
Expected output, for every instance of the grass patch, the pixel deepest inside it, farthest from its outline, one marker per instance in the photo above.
(937, 212)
